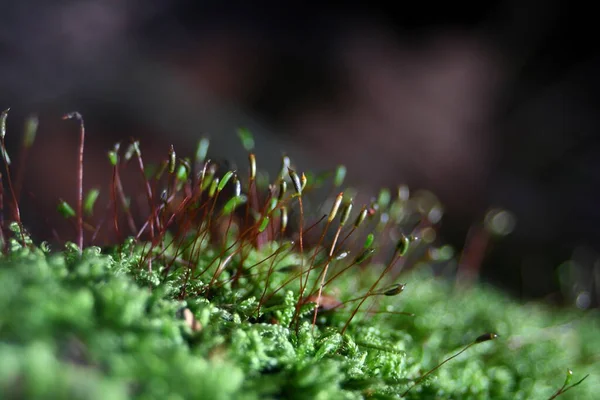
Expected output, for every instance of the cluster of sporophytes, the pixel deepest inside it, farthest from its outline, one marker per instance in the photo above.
(228, 284)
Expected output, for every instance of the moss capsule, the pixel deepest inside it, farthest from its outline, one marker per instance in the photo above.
(252, 161)
(172, 160)
(485, 337)
(361, 216)
(346, 210)
(295, 181)
(335, 207)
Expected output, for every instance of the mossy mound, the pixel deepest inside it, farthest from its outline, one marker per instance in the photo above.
(96, 326)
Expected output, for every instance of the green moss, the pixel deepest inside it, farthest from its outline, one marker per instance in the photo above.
(216, 303)
(90, 328)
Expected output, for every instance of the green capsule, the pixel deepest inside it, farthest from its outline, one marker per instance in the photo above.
(568, 377)
(213, 187)
(202, 150)
(225, 180)
(233, 203)
(272, 204)
(346, 212)
(263, 224)
(31, 126)
(182, 173)
(384, 198)
(364, 255)
(246, 138)
(206, 182)
(485, 337)
(207, 174)
(90, 201)
(286, 246)
(369, 241)
(113, 155)
(185, 162)
(335, 207)
(172, 160)
(65, 209)
(113, 158)
(340, 175)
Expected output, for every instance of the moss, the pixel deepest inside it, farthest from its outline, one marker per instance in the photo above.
(89, 327)
(219, 304)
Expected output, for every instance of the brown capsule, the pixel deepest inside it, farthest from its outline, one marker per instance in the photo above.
(284, 219)
(364, 255)
(3, 117)
(394, 289)
(346, 212)
(361, 216)
(282, 190)
(172, 160)
(303, 181)
(485, 337)
(335, 207)
(295, 181)
(252, 159)
(403, 245)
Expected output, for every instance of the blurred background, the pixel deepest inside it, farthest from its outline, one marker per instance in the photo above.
(486, 105)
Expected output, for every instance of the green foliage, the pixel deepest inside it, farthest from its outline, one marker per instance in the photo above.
(81, 328)
(89, 327)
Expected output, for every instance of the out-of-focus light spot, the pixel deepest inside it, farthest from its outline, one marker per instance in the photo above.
(583, 300)
(435, 215)
(403, 193)
(443, 253)
(384, 218)
(446, 252)
(500, 222)
(428, 235)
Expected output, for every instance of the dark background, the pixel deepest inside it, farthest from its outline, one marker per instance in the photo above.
(491, 104)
